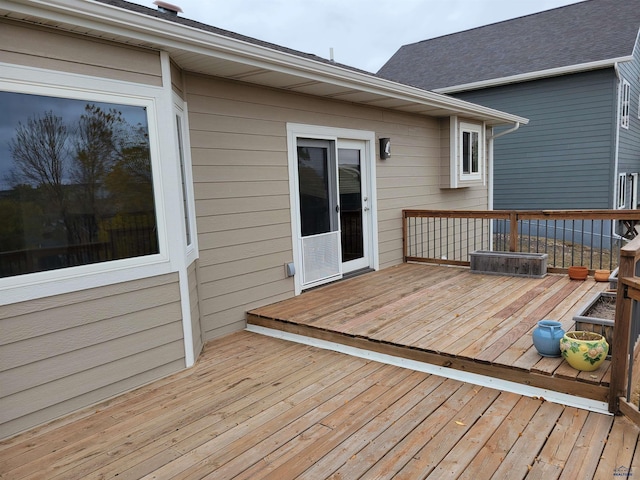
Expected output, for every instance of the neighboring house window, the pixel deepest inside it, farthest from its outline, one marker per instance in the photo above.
(624, 108)
(622, 190)
(634, 190)
(76, 183)
(471, 157)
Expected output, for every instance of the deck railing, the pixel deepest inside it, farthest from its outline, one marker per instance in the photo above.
(624, 378)
(569, 237)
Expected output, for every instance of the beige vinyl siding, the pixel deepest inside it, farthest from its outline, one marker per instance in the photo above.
(239, 154)
(61, 353)
(194, 308)
(445, 152)
(51, 49)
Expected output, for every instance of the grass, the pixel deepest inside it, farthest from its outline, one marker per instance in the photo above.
(563, 254)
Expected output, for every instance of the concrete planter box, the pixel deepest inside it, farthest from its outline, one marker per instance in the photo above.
(519, 264)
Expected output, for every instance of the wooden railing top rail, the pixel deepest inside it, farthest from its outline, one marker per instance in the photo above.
(529, 214)
(631, 249)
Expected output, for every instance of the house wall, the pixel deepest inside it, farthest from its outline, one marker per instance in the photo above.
(65, 351)
(564, 157)
(629, 141)
(194, 306)
(45, 48)
(239, 154)
(62, 353)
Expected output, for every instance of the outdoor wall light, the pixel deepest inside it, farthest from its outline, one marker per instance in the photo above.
(385, 148)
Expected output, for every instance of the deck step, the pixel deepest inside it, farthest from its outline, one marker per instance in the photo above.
(446, 369)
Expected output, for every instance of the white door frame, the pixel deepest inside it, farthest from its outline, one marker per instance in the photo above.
(361, 146)
(295, 131)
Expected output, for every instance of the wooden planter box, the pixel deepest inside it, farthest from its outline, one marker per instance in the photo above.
(520, 264)
(590, 323)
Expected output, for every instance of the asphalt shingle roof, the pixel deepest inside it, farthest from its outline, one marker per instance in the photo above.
(585, 32)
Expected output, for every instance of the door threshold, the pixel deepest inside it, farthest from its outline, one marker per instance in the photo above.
(345, 276)
(355, 273)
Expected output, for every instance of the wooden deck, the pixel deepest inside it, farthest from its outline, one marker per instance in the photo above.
(449, 317)
(256, 407)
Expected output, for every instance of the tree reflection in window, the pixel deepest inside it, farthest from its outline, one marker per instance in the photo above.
(75, 183)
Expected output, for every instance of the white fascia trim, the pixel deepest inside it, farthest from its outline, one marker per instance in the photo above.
(460, 375)
(524, 77)
(165, 34)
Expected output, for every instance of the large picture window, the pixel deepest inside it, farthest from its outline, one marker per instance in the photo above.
(76, 183)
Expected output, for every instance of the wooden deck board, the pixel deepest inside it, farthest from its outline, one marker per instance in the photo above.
(477, 319)
(280, 410)
(553, 456)
(440, 444)
(619, 449)
(593, 436)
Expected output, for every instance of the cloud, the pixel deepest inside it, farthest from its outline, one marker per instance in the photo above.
(362, 33)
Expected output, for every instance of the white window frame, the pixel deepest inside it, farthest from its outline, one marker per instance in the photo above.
(30, 286)
(185, 172)
(625, 104)
(622, 191)
(471, 128)
(634, 191)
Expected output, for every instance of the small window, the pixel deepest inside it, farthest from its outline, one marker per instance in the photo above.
(622, 190)
(633, 188)
(625, 105)
(470, 153)
(471, 158)
(76, 183)
(183, 176)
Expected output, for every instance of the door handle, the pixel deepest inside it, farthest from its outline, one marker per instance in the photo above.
(337, 208)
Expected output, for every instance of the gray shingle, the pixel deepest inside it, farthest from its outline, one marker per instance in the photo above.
(585, 32)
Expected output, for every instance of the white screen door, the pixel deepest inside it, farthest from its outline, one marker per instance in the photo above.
(333, 211)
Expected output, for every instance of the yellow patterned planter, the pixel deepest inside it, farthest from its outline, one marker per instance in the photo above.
(584, 350)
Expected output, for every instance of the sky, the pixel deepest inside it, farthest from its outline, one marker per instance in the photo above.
(363, 33)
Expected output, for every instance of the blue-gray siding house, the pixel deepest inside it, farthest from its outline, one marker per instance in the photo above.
(574, 72)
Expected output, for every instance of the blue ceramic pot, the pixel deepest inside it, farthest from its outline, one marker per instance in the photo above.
(547, 336)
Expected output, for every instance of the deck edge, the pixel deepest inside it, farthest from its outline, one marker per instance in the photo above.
(442, 371)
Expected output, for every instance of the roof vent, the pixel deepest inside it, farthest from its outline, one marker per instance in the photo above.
(165, 7)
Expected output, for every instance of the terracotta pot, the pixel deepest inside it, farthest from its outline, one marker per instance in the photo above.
(602, 275)
(578, 273)
(584, 351)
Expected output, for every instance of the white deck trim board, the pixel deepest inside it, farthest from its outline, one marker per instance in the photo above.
(475, 379)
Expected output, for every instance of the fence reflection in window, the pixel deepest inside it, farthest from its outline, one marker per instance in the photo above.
(76, 184)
